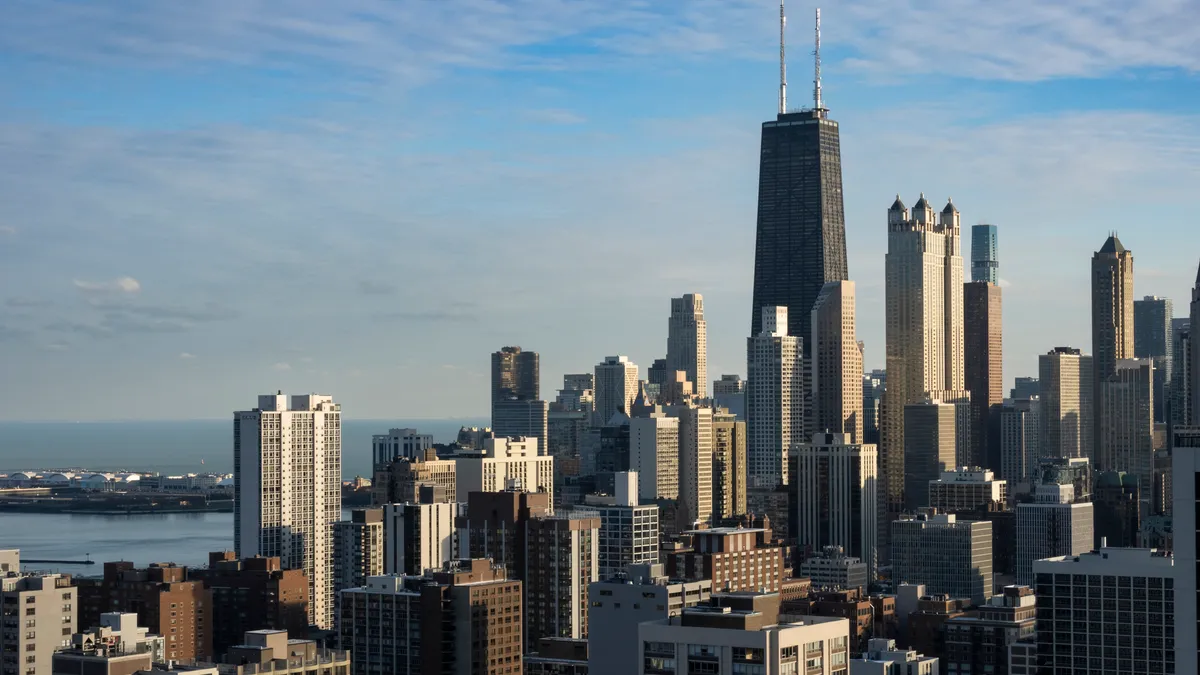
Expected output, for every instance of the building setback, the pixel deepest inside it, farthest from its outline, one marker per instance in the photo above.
(979, 641)
(287, 478)
(738, 629)
(505, 462)
(617, 606)
(399, 481)
(734, 558)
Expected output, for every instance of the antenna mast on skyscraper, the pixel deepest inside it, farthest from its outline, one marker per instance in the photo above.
(782, 62)
(817, 67)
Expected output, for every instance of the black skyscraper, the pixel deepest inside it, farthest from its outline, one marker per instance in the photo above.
(801, 240)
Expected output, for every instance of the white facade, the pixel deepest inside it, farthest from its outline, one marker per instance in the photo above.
(654, 456)
(1054, 525)
(40, 613)
(884, 658)
(774, 399)
(628, 536)
(287, 456)
(505, 461)
(1091, 634)
(418, 537)
(687, 341)
(813, 645)
(837, 363)
(837, 496)
(616, 387)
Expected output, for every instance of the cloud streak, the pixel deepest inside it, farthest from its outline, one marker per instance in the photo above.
(115, 286)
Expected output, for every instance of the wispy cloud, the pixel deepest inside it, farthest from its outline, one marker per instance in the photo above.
(118, 285)
(282, 366)
(7, 230)
(412, 41)
(187, 356)
(372, 287)
(554, 116)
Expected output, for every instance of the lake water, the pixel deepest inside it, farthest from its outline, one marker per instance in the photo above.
(176, 446)
(184, 538)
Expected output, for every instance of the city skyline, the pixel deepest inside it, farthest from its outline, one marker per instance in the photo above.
(142, 236)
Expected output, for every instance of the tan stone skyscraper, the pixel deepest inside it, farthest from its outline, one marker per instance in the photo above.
(1193, 368)
(1112, 324)
(924, 324)
(837, 367)
(687, 341)
(1065, 420)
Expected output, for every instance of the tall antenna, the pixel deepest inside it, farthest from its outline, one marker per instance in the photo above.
(817, 67)
(782, 62)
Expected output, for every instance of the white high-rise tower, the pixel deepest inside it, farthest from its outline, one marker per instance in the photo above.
(287, 463)
(774, 399)
(687, 341)
(924, 289)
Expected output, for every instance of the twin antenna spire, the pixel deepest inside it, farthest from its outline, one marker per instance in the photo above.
(817, 104)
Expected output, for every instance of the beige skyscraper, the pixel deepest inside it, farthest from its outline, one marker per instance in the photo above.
(616, 387)
(774, 399)
(924, 324)
(1066, 410)
(1112, 325)
(837, 365)
(287, 459)
(687, 341)
(1192, 374)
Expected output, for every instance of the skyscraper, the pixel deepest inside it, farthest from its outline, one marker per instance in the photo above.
(836, 493)
(1181, 367)
(800, 244)
(924, 324)
(873, 387)
(687, 341)
(985, 258)
(695, 464)
(1067, 405)
(616, 387)
(1194, 354)
(1152, 339)
(1112, 321)
(515, 374)
(930, 447)
(774, 400)
(984, 365)
(357, 552)
(962, 565)
(728, 465)
(837, 364)
(1127, 421)
(287, 483)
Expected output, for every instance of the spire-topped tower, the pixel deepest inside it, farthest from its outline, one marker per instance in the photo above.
(782, 61)
(817, 103)
(801, 232)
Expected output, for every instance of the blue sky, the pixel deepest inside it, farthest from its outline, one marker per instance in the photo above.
(203, 201)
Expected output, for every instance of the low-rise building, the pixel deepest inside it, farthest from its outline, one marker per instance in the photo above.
(617, 606)
(833, 569)
(743, 633)
(962, 567)
(884, 658)
(734, 558)
(558, 656)
(979, 641)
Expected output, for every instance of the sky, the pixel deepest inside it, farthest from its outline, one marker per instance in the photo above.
(203, 201)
